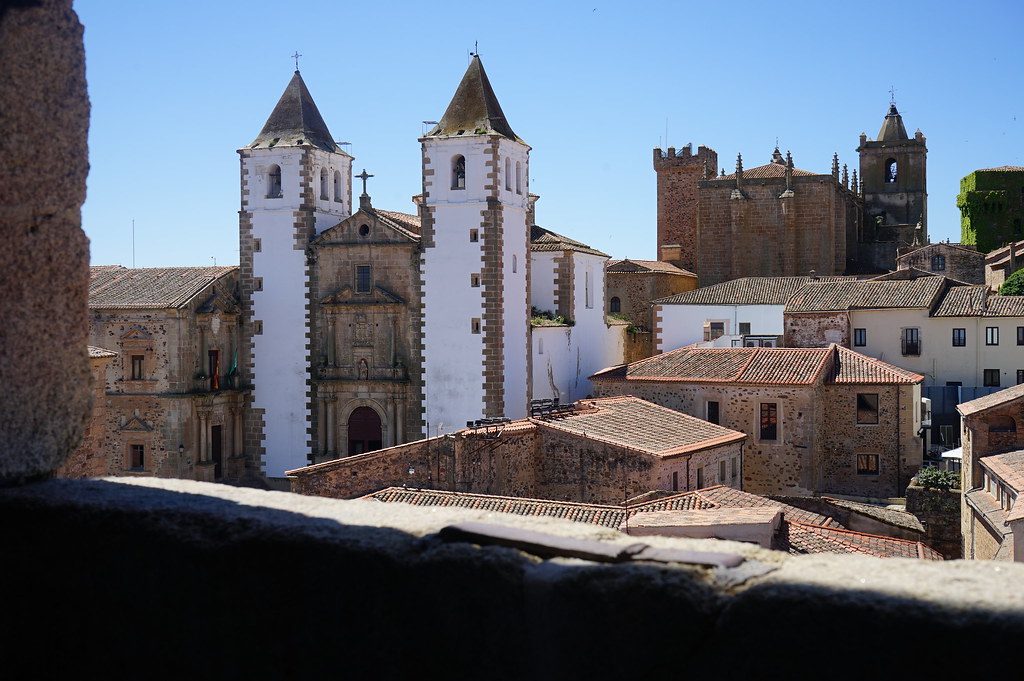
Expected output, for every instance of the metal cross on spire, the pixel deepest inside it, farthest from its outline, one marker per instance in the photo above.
(296, 58)
(364, 176)
(892, 94)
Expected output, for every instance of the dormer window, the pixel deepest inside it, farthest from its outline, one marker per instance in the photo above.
(890, 170)
(274, 182)
(337, 185)
(323, 184)
(459, 172)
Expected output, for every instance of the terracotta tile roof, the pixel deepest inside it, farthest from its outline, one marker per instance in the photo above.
(975, 301)
(116, 287)
(410, 224)
(853, 367)
(767, 171)
(1000, 257)
(641, 425)
(776, 366)
(801, 539)
(97, 353)
(866, 295)
(1008, 467)
(545, 240)
(995, 399)
(627, 266)
(745, 291)
(801, 532)
(592, 514)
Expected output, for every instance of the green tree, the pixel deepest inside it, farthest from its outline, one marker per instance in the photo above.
(1014, 285)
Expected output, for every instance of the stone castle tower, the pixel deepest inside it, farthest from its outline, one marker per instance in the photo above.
(475, 260)
(295, 183)
(895, 189)
(678, 175)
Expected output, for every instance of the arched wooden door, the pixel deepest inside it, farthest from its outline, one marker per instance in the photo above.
(363, 431)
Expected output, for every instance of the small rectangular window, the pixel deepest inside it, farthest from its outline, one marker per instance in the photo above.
(1020, 376)
(938, 263)
(769, 421)
(1020, 335)
(714, 330)
(138, 367)
(735, 467)
(959, 338)
(867, 464)
(474, 280)
(860, 337)
(911, 342)
(257, 245)
(474, 236)
(991, 335)
(589, 289)
(675, 481)
(700, 478)
(721, 471)
(475, 325)
(138, 456)
(991, 378)
(867, 408)
(363, 278)
(257, 283)
(713, 415)
(744, 328)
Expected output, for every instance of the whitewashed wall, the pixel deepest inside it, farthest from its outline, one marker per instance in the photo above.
(677, 326)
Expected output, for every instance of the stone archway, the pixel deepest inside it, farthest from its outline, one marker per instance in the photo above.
(364, 431)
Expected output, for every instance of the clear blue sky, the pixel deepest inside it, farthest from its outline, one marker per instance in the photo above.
(176, 88)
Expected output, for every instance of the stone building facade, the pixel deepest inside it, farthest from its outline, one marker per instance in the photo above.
(819, 420)
(171, 402)
(991, 204)
(366, 328)
(956, 261)
(778, 220)
(992, 428)
(632, 286)
(596, 451)
(86, 460)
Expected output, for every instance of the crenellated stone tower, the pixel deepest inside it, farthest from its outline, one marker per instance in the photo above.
(475, 260)
(295, 182)
(678, 175)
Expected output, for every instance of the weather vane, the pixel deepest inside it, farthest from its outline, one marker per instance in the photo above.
(296, 58)
(892, 94)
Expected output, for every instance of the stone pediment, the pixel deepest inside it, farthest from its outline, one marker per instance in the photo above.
(377, 296)
(136, 334)
(221, 303)
(135, 424)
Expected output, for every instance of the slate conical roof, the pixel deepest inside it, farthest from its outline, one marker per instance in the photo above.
(295, 121)
(892, 127)
(474, 110)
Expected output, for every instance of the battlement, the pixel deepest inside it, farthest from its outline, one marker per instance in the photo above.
(685, 158)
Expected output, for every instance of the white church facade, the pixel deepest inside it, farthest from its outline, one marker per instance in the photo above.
(366, 328)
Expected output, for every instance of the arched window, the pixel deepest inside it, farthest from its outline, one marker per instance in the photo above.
(459, 172)
(364, 431)
(938, 263)
(890, 170)
(274, 182)
(508, 174)
(337, 185)
(1002, 424)
(519, 177)
(323, 184)
(615, 305)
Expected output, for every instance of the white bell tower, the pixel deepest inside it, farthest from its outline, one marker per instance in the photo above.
(474, 269)
(296, 182)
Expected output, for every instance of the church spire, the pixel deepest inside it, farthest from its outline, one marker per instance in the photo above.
(892, 127)
(474, 110)
(295, 121)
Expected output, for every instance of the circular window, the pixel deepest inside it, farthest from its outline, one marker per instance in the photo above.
(364, 230)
